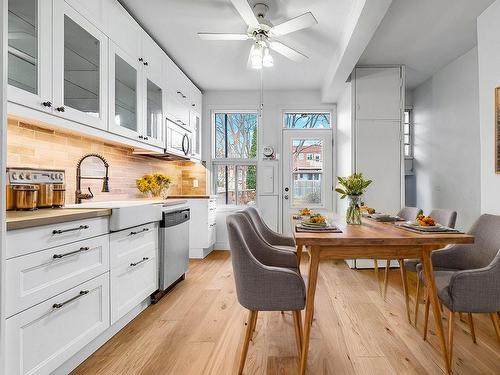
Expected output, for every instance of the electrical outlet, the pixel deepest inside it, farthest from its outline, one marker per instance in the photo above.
(195, 183)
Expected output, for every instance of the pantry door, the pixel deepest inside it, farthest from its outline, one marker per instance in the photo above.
(307, 172)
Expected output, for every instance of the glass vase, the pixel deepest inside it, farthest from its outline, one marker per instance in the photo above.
(353, 214)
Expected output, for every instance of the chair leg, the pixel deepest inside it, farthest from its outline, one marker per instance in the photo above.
(254, 324)
(417, 296)
(496, 323)
(386, 277)
(297, 317)
(252, 317)
(426, 316)
(451, 321)
(472, 330)
(375, 268)
(404, 280)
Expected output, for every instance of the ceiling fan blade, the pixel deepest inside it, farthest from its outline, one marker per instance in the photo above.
(222, 36)
(298, 23)
(287, 51)
(246, 13)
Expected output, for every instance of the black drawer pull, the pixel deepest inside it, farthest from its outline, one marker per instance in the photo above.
(59, 305)
(60, 231)
(139, 262)
(141, 231)
(58, 256)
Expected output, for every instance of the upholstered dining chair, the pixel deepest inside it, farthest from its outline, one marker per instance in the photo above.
(267, 278)
(407, 213)
(468, 277)
(444, 217)
(273, 238)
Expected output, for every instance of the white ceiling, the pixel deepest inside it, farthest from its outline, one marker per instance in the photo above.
(220, 65)
(425, 35)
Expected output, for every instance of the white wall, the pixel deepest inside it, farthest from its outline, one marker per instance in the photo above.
(447, 151)
(344, 139)
(275, 102)
(488, 31)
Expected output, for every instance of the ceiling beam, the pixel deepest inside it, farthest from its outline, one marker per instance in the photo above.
(366, 16)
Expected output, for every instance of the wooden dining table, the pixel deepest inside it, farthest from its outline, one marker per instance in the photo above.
(372, 240)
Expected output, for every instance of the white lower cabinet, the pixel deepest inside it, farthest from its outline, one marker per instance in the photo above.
(43, 337)
(38, 276)
(134, 267)
(202, 226)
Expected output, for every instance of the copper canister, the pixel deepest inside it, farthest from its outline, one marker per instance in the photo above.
(26, 196)
(45, 196)
(58, 195)
(10, 199)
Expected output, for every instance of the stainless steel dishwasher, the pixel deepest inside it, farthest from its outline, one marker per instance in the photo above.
(174, 248)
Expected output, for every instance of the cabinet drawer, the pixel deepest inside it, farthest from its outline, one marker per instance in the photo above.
(45, 336)
(29, 240)
(36, 277)
(132, 282)
(127, 245)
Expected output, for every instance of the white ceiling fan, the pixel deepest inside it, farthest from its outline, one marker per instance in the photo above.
(264, 34)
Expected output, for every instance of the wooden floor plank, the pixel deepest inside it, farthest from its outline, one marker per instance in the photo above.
(198, 328)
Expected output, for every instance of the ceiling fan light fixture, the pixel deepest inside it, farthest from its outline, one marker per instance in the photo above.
(267, 60)
(256, 57)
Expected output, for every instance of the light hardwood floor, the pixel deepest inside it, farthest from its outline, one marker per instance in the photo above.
(198, 328)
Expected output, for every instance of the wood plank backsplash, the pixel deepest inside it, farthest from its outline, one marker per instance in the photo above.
(35, 147)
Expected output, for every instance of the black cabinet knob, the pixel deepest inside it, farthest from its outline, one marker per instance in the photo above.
(146, 63)
(60, 109)
(47, 104)
(141, 137)
(141, 59)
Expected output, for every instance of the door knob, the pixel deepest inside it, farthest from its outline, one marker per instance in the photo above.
(287, 189)
(285, 196)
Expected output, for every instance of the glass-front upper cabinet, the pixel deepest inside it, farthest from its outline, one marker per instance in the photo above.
(125, 94)
(80, 68)
(195, 123)
(29, 53)
(155, 126)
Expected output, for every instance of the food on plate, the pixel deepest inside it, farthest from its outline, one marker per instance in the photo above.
(425, 221)
(305, 212)
(316, 219)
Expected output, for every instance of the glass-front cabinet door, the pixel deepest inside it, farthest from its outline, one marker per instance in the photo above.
(79, 68)
(29, 53)
(195, 123)
(154, 121)
(125, 94)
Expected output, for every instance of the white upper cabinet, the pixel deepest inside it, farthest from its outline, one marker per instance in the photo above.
(93, 10)
(152, 56)
(195, 97)
(80, 68)
(123, 30)
(30, 53)
(125, 93)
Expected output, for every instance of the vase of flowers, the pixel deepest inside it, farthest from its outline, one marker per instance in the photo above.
(155, 185)
(353, 188)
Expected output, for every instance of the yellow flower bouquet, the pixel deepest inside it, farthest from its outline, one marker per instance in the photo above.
(155, 184)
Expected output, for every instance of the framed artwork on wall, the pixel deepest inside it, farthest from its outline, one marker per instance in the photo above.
(497, 130)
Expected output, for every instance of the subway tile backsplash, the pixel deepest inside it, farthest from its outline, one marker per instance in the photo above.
(32, 146)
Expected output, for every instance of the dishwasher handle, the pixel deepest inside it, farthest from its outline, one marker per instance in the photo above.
(171, 219)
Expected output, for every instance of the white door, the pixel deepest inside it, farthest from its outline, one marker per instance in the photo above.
(30, 53)
(80, 68)
(307, 172)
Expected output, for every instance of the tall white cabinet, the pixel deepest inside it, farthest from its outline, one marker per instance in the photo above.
(369, 133)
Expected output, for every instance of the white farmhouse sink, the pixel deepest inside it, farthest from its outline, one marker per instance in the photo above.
(127, 214)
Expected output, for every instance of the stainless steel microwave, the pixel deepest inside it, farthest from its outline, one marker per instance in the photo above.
(178, 140)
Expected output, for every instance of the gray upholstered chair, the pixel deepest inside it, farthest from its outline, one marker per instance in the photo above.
(272, 237)
(444, 217)
(406, 213)
(267, 278)
(468, 276)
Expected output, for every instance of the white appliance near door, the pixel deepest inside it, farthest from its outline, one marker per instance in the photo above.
(307, 172)
(178, 140)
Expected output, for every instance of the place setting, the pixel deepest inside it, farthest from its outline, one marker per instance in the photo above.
(426, 224)
(317, 223)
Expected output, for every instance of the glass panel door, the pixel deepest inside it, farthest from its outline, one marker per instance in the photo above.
(125, 95)
(81, 69)
(154, 114)
(307, 172)
(23, 45)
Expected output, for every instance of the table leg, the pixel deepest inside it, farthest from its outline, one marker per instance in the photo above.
(311, 290)
(299, 253)
(433, 298)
